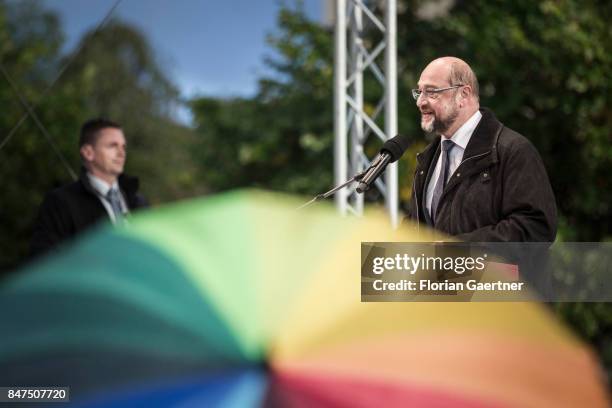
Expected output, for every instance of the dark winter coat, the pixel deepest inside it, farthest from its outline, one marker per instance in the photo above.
(499, 193)
(72, 209)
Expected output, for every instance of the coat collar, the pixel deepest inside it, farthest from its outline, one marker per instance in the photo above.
(480, 153)
(127, 184)
(483, 141)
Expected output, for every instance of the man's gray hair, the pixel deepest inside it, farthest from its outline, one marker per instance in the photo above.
(463, 74)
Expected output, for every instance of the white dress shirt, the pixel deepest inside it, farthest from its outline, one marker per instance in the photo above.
(461, 138)
(101, 187)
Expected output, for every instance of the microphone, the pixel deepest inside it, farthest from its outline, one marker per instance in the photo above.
(391, 151)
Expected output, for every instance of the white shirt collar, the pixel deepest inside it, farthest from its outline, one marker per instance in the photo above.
(100, 185)
(464, 133)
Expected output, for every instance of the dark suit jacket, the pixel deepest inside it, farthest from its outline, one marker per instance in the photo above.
(73, 208)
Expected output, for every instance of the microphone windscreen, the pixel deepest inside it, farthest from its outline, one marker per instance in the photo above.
(396, 146)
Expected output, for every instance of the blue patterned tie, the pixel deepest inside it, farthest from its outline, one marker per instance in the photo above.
(115, 201)
(447, 145)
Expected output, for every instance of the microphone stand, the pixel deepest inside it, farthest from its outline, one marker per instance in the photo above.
(320, 197)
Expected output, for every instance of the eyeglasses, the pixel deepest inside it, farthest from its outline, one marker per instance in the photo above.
(432, 93)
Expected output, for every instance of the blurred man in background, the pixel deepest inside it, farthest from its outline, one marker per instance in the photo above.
(102, 192)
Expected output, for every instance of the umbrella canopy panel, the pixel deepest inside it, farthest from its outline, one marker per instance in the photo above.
(239, 300)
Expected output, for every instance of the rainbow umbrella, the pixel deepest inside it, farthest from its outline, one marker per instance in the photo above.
(239, 300)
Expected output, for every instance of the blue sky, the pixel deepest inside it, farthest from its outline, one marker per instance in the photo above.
(207, 47)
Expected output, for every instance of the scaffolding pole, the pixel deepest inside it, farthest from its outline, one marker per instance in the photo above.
(352, 124)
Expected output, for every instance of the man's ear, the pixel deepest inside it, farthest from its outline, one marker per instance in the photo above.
(87, 152)
(466, 92)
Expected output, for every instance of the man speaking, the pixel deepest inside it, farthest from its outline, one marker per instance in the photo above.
(478, 180)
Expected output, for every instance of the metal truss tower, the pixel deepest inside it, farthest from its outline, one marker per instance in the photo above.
(352, 124)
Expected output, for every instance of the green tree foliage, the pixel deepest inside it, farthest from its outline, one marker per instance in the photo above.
(282, 138)
(29, 43)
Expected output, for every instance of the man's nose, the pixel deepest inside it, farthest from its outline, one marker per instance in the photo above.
(421, 100)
